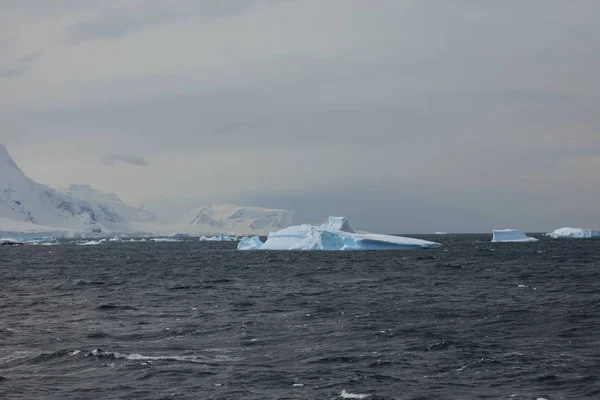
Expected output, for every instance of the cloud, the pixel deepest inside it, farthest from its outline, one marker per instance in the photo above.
(126, 159)
(430, 116)
(29, 58)
(119, 23)
(20, 67)
(116, 26)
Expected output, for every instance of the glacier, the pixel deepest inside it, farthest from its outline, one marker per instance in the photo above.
(574, 233)
(511, 235)
(336, 234)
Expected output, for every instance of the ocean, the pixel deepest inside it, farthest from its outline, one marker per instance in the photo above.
(200, 320)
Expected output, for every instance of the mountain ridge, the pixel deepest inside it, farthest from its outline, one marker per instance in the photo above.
(82, 210)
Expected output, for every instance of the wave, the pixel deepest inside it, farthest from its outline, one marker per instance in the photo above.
(348, 395)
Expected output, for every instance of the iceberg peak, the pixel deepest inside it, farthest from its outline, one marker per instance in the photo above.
(339, 224)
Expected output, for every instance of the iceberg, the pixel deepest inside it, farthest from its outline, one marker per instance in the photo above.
(221, 238)
(165, 239)
(574, 233)
(511, 235)
(250, 243)
(334, 235)
(91, 242)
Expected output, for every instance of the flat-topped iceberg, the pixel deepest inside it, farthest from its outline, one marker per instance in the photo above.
(334, 235)
(574, 233)
(511, 235)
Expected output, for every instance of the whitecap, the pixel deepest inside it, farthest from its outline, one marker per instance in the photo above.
(151, 359)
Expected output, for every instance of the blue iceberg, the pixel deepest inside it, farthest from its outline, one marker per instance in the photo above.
(574, 233)
(334, 235)
(511, 235)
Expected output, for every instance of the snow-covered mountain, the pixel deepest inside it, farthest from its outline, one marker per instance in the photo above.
(80, 209)
(129, 213)
(189, 216)
(192, 216)
(28, 206)
(240, 220)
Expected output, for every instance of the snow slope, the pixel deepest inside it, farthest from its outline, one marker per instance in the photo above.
(129, 213)
(330, 236)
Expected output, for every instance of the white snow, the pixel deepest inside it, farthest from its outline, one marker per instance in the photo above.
(511, 235)
(329, 237)
(111, 201)
(574, 233)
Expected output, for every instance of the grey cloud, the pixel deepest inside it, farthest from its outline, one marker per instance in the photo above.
(28, 58)
(13, 71)
(22, 65)
(120, 23)
(126, 159)
(117, 25)
(461, 116)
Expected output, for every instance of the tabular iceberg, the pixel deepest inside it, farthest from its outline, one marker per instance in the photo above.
(574, 233)
(334, 235)
(511, 235)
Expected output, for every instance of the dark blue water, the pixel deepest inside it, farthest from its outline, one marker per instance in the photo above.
(197, 320)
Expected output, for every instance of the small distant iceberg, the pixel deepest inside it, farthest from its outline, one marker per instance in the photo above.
(91, 242)
(441, 233)
(511, 236)
(221, 238)
(250, 243)
(334, 235)
(165, 239)
(574, 233)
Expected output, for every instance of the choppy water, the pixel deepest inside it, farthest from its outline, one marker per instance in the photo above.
(195, 320)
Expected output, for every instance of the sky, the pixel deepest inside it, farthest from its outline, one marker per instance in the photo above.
(404, 115)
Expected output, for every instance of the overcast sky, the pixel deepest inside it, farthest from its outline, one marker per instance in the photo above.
(406, 116)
